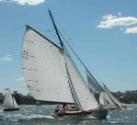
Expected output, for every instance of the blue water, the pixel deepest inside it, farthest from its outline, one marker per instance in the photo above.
(40, 115)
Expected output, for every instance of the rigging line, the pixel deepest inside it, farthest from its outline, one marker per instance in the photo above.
(61, 42)
(58, 32)
(76, 55)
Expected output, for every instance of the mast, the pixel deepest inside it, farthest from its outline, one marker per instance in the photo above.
(55, 27)
(74, 95)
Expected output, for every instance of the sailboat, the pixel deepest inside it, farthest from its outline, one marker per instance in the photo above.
(9, 103)
(105, 97)
(52, 75)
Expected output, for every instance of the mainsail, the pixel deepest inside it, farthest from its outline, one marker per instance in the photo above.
(9, 102)
(15, 103)
(44, 69)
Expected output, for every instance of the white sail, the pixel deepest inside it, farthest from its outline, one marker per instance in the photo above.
(115, 100)
(9, 101)
(86, 99)
(104, 99)
(93, 83)
(15, 105)
(44, 69)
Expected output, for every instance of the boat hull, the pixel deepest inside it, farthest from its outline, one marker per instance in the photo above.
(15, 109)
(102, 114)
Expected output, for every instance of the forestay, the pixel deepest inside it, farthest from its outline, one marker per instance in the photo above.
(86, 99)
(44, 69)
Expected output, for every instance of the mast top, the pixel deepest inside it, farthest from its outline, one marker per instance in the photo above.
(55, 27)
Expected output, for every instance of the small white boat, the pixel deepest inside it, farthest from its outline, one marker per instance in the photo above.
(9, 103)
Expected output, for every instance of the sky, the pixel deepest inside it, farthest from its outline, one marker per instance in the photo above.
(103, 32)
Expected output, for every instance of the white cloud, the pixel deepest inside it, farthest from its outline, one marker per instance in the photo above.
(131, 29)
(126, 24)
(20, 79)
(108, 17)
(25, 2)
(6, 58)
(109, 21)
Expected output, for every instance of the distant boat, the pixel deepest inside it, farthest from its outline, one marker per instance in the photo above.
(9, 103)
(52, 76)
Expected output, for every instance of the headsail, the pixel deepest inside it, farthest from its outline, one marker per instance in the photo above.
(104, 99)
(115, 100)
(44, 69)
(86, 99)
(15, 105)
(93, 83)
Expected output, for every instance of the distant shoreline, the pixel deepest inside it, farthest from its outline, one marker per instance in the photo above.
(127, 97)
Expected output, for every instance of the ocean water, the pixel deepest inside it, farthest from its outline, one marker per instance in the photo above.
(40, 115)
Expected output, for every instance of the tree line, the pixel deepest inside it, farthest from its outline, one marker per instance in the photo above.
(127, 97)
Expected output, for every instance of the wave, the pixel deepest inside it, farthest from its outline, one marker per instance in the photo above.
(113, 122)
(19, 117)
(37, 116)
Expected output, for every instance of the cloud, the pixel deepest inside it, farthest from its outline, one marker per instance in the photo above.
(20, 79)
(6, 58)
(131, 29)
(126, 24)
(110, 21)
(25, 2)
